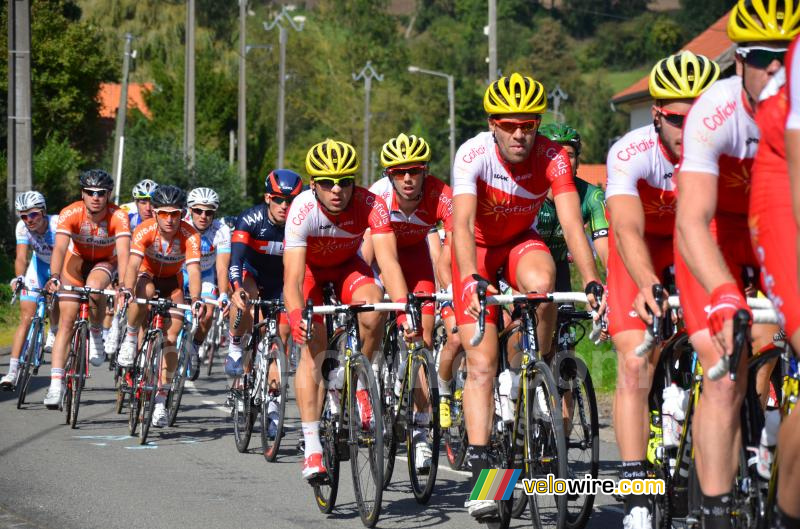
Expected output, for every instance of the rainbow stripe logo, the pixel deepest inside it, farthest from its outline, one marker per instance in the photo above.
(495, 484)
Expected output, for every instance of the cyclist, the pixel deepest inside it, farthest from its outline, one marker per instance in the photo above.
(160, 247)
(417, 201)
(215, 248)
(774, 236)
(325, 228)
(140, 209)
(641, 201)
(500, 179)
(593, 209)
(256, 268)
(720, 142)
(92, 240)
(35, 230)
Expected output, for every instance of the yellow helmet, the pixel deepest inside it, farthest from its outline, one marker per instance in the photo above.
(683, 75)
(405, 149)
(758, 20)
(331, 158)
(515, 95)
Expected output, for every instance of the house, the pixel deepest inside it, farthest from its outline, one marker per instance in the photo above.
(713, 43)
(108, 96)
(594, 173)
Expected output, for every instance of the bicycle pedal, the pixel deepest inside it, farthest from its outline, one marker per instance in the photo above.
(319, 480)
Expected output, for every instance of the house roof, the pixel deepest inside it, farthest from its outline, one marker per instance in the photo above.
(594, 173)
(713, 43)
(109, 98)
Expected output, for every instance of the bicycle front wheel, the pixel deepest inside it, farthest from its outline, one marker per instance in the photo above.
(424, 386)
(31, 351)
(80, 345)
(326, 489)
(365, 426)
(242, 415)
(274, 396)
(178, 381)
(149, 388)
(387, 376)
(211, 345)
(545, 448)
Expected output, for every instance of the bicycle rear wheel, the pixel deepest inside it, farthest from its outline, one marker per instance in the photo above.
(134, 377)
(31, 351)
(326, 489)
(423, 379)
(81, 345)
(178, 381)
(274, 398)
(582, 436)
(149, 389)
(391, 428)
(455, 437)
(365, 427)
(242, 415)
(211, 345)
(545, 447)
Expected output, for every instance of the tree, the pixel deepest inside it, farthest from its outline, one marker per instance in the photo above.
(696, 15)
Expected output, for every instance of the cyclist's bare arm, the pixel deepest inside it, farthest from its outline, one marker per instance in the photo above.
(464, 208)
(59, 250)
(434, 246)
(223, 263)
(627, 219)
(444, 272)
(695, 242)
(21, 260)
(385, 247)
(132, 270)
(294, 268)
(793, 161)
(195, 283)
(601, 247)
(568, 208)
(123, 245)
(367, 248)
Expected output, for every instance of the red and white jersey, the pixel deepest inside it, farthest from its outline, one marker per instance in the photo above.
(639, 165)
(332, 239)
(720, 137)
(509, 195)
(436, 205)
(793, 86)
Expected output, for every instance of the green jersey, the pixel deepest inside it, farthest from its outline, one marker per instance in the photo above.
(593, 210)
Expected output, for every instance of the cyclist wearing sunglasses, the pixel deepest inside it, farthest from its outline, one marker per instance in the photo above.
(417, 202)
(720, 142)
(215, 249)
(161, 247)
(641, 201)
(324, 231)
(773, 231)
(92, 239)
(500, 180)
(257, 258)
(35, 231)
(140, 209)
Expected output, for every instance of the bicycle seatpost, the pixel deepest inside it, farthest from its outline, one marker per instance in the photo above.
(308, 314)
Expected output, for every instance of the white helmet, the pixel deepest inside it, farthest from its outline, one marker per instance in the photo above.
(144, 189)
(203, 196)
(29, 200)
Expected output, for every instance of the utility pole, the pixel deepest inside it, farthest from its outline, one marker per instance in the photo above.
(122, 110)
(281, 20)
(188, 89)
(242, 134)
(20, 124)
(367, 73)
(492, 40)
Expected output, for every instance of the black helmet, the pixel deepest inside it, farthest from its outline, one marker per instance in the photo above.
(166, 195)
(283, 182)
(96, 179)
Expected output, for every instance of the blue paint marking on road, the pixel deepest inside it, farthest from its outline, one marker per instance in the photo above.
(148, 446)
(104, 437)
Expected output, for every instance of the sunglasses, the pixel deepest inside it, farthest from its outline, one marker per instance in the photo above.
(511, 125)
(280, 199)
(33, 215)
(675, 119)
(761, 57)
(400, 172)
(327, 182)
(95, 192)
(168, 214)
(200, 212)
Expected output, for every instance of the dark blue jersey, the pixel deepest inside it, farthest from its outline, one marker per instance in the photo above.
(257, 250)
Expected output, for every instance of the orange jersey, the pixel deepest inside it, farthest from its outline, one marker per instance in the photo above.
(93, 241)
(163, 258)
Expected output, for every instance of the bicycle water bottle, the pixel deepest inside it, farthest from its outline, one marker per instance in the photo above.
(508, 393)
(112, 340)
(673, 412)
(766, 447)
(335, 384)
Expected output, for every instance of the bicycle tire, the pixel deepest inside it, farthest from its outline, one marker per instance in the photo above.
(119, 403)
(325, 491)
(455, 437)
(178, 382)
(388, 375)
(545, 446)
(585, 400)
(81, 344)
(134, 376)
(242, 419)
(422, 483)
(30, 352)
(211, 347)
(276, 352)
(66, 396)
(368, 488)
(151, 377)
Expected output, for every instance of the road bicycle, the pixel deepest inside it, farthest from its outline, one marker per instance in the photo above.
(32, 354)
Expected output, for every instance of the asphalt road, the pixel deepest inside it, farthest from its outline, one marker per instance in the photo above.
(191, 475)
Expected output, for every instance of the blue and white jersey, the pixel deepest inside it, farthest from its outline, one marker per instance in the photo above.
(133, 214)
(40, 243)
(215, 240)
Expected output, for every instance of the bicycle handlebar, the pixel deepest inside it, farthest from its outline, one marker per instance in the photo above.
(89, 290)
(741, 338)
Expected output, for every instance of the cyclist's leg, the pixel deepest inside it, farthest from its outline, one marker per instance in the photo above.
(209, 292)
(99, 277)
(358, 283)
(236, 334)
